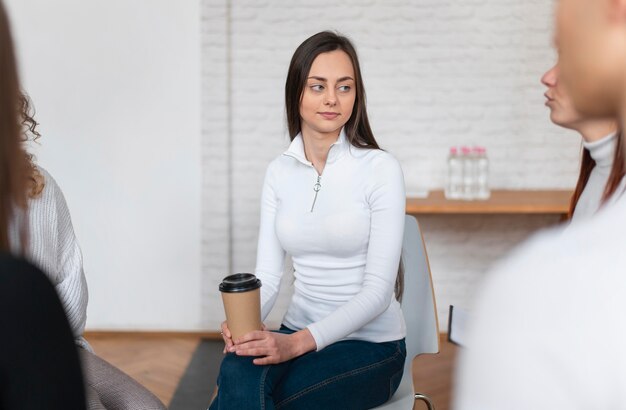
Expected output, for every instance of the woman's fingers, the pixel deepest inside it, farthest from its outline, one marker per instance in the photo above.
(261, 352)
(255, 347)
(256, 344)
(226, 330)
(226, 335)
(266, 347)
(262, 361)
(255, 351)
(254, 335)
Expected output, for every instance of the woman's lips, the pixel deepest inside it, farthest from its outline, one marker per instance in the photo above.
(329, 115)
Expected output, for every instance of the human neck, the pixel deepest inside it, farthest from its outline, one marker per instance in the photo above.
(595, 130)
(317, 145)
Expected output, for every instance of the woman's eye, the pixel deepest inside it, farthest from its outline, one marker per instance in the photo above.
(317, 87)
(344, 88)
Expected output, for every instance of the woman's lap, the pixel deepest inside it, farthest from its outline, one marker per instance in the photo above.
(345, 375)
(353, 374)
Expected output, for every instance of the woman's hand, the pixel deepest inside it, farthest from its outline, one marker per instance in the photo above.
(274, 347)
(228, 341)
(227, 336)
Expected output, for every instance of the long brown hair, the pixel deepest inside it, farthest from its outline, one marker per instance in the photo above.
(358, 130)
(587, 164)
(13, 162)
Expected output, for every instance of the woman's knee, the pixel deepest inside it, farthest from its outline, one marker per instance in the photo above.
(237, 370)
(241, 381)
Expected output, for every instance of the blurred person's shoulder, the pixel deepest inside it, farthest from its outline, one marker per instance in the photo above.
(576, 267)
(554, 307)
(593, 246)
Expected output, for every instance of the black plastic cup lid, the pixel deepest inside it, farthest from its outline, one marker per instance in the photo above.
(240, 282)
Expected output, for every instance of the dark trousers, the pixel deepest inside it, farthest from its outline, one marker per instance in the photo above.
(39, 364)
(347, 375)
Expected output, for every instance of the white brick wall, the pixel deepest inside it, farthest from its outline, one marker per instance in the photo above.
(216, 216)
(437, 72)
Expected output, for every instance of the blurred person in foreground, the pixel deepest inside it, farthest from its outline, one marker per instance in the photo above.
(549, 329)
(39, 365)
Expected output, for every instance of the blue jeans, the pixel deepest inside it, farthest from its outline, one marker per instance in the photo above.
(350, 374)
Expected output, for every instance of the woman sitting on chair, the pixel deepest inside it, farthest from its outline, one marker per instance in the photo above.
(335, 202)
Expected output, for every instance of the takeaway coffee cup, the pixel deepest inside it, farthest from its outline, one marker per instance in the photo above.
(241, 294)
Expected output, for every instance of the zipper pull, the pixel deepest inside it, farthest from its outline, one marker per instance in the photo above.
(316, 188)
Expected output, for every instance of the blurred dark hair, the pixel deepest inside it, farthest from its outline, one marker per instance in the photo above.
(14, 168)
(587, 164)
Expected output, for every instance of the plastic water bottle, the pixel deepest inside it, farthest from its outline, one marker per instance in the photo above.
(469, 174)
(482, 174)
(454, 185)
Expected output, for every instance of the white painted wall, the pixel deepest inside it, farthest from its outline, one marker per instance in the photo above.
(116, 85)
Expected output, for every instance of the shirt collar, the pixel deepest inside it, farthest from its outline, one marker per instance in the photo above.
(337, 149)
(603, 150)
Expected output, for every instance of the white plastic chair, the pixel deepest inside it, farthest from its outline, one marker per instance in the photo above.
(420, 313)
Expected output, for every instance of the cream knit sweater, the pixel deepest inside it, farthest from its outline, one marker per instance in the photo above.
(52, 247)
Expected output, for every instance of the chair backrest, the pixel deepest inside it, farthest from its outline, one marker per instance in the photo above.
(418, 302)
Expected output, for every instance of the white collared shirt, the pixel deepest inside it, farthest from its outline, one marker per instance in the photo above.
(345, 241)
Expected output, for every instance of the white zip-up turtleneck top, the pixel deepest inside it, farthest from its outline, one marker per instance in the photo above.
(603, 153)
(344, 236)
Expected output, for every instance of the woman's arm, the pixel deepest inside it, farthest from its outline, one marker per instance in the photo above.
(73, 287)
(270, 253)
(270, 256)
(71, 284)
(387, 201)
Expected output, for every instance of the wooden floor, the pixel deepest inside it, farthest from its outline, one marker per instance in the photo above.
(158, 361)
(433, 374)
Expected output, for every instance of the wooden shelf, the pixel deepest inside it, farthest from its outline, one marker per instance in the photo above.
(554, 202)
